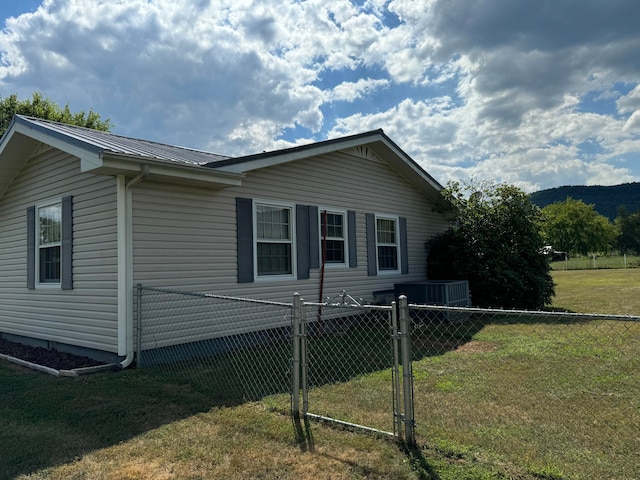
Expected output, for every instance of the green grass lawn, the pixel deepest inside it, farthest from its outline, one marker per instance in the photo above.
(539, 400)
(611, 291)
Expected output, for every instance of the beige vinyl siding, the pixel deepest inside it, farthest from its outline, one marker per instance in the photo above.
(348, 182)
(87, 315)
(186, 238)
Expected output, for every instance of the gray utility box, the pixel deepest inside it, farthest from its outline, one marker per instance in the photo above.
(450, 293)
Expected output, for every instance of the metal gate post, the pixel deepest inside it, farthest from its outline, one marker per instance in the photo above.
(304, 361)
(296, 311)
(407, 371)
(397, 406)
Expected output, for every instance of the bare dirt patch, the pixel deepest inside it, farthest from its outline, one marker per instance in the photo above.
(46, 357)
(476, 346)
(447, 344)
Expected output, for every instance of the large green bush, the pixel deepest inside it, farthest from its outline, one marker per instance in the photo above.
(495, 244)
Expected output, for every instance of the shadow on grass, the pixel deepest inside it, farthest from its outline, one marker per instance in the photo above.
(420, 464)
(47, 421)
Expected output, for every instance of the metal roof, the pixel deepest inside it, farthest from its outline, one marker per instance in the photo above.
(108, 142)
(98, 143)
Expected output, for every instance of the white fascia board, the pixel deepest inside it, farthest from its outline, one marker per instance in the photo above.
(388, 151)
(286, 157)
(407, 165)
(164, 170)
(20, 141)
(90, 158)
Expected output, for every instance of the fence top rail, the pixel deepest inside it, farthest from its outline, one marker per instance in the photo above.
(211, 295)
(541, 313)
(347, 305)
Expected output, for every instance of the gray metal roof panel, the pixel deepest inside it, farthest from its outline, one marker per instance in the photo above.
(117, 144)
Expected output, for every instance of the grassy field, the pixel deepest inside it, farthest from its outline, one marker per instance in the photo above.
(612, 291)
(539, 400)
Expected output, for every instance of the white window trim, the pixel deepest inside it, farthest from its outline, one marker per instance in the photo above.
(342, 212)
(292, 226)
(46, 285)
(396, 220)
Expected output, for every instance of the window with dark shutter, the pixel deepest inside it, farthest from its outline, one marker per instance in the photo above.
(387, 244)
(50, 244)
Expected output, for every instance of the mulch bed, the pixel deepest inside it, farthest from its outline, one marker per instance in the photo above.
(45, 357)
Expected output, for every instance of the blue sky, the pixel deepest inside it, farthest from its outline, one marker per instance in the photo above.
(537, 94)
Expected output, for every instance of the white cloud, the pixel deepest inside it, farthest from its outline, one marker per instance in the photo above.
(494, 88)
(630, 102)
(350, 91)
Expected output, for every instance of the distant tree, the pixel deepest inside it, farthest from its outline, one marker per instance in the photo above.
(495, 244)
(628, 226)
(573, 226)
(41, 107)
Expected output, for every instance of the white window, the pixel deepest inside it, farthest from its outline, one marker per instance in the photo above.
(274, 240)
(387, 244)
(49, 243)
(333, 237)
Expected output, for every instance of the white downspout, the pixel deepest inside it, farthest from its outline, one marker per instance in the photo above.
(125, 265)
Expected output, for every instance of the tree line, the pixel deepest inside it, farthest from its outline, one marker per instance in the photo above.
(39, 106)
(574, 227)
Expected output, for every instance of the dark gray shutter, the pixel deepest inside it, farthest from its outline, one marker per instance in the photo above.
(314, 238)
(244, 239)
(67, 243)
(372, 254)
(404, 252)
(31, 248)
(351, 229)
(302, 241)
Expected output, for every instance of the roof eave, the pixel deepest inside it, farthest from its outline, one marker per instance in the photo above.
(406, 167)
(73, 146)
(166, 172)
(23, 136)
(21, 139)
(277, 157)
(376, 139)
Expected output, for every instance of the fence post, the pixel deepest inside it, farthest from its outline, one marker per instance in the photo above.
(139, 325)
(407, 372)
(296, 311)
(304, 361)
(396, 371)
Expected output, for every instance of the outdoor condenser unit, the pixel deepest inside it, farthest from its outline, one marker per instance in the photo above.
(451, 293)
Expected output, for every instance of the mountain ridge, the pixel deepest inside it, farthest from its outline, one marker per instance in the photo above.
(606, 199)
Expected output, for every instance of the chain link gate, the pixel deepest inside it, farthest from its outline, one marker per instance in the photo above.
(342, 341)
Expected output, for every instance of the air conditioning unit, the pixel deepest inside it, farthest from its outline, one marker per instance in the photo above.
(448, 293)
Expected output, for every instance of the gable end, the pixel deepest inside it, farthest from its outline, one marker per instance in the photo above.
(362, 151)
(41, 148)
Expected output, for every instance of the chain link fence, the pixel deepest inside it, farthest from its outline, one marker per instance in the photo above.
(557, 392)
(231, 347)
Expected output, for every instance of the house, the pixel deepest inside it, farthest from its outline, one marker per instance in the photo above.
(86, 215)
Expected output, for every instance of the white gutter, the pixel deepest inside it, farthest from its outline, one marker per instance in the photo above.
(125, 264)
